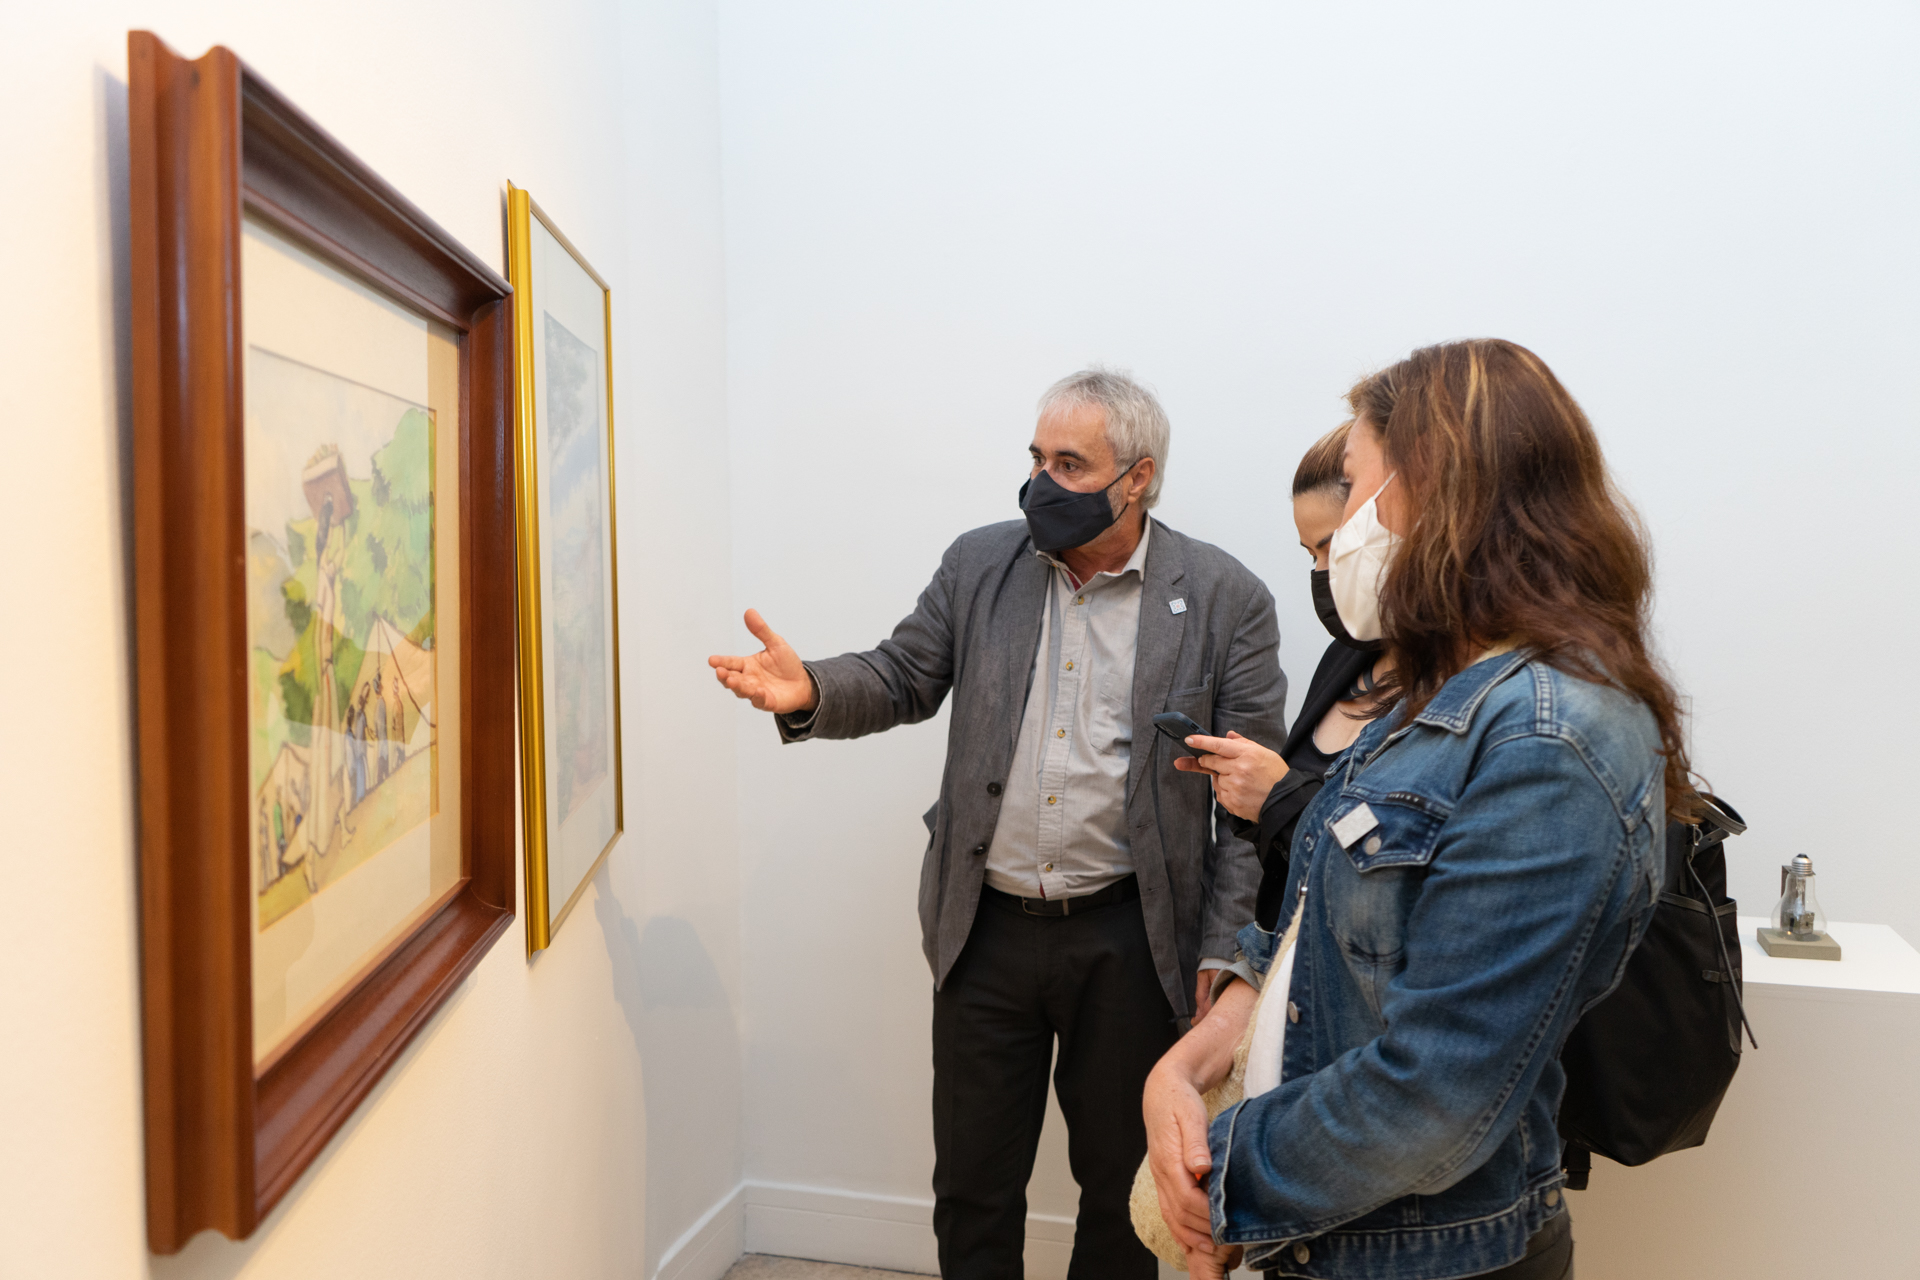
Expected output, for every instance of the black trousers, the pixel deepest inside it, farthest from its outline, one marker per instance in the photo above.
(1549, 1254)
(1089, 980)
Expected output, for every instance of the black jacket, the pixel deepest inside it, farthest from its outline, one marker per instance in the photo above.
(1272, 835)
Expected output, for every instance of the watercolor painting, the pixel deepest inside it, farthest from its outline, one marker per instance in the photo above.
(340, 582)
(576, 536)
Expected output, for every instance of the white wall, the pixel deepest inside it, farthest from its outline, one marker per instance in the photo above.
(572, 1116)
(831, 335)
(1700, 214)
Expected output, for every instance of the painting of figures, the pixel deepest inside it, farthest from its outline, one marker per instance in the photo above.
(340, 578)
(577, 496)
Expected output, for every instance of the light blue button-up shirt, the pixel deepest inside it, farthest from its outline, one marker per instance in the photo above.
(1062, 831)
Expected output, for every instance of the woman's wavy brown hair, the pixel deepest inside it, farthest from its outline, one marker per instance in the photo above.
(1518, 536)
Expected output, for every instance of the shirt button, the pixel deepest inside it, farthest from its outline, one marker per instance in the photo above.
(1048, 867)
(1053, 799)
(993, 788)
(1373, 844)
(1080, 600)
(1069, 666)
(1553, 1197)
(1293, 1012)
(979, 850)
(1301, 1253)
(1059, 733)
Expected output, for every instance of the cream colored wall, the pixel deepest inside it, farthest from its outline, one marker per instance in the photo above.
(573, 1116)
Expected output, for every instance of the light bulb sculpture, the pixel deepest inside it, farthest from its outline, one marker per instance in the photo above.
(1799, 929)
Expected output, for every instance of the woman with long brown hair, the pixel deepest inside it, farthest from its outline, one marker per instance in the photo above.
(1471, 876)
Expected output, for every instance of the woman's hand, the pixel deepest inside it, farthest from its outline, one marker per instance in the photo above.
(1243, 771)
(1176, 1115)
(1213, 1262)
(1177, 1153)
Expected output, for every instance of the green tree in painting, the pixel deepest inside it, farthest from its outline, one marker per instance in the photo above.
(386, 571)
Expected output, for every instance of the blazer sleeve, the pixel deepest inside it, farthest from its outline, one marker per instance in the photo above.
(1252, 702)
(902, 680)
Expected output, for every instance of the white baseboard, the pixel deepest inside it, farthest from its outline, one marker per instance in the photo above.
(710, 1246)
(894, 1233)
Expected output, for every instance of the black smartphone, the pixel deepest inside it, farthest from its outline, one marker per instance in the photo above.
(1177, 726)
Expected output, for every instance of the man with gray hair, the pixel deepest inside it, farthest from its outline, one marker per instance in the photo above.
(1076, 886)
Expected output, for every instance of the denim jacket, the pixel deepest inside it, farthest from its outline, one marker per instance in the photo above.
(1451, 934)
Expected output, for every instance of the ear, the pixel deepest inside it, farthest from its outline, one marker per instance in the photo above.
(1140, 477)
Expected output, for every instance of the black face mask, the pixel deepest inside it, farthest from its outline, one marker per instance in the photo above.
(1330, 616)
(1059, 518)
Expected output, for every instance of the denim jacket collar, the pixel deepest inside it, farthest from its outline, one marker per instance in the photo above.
(1452, 709)
(1459, 699)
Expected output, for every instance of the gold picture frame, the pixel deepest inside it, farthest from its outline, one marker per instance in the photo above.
(572, 781)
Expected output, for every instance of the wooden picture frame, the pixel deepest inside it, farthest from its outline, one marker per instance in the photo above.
(571, 772)
(223, 167)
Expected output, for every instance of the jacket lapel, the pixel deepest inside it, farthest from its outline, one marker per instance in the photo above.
(1157, 651)
(1017, 630)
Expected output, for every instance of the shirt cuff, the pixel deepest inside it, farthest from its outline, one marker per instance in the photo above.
(1225, 974)
(795, 725)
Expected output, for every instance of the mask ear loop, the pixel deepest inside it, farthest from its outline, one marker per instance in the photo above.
(1373, 502)
(1124, 473)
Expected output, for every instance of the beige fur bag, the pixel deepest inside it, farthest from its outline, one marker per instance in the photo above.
(1145, 1203)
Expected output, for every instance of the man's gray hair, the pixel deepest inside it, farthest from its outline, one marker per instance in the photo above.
(1137, 426)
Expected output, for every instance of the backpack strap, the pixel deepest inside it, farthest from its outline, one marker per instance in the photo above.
(1710, 833)
(1577, 1162)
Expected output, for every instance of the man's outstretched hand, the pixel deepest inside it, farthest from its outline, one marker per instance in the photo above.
(772, 679)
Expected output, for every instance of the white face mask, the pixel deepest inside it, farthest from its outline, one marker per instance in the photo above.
(1357, 563)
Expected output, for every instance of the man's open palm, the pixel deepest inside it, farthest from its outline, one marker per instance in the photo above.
(773, 679)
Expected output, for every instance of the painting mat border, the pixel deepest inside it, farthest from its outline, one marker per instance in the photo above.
(521, 210)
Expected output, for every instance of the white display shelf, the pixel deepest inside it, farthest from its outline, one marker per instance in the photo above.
(1872, 958)
(1813, 1146)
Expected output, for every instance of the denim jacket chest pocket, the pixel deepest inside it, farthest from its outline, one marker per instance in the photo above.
(1377, 849)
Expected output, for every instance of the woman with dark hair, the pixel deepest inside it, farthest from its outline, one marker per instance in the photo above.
(1268, 794)
(1473, 873)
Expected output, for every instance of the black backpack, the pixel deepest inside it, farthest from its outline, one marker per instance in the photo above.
(1648, 1065)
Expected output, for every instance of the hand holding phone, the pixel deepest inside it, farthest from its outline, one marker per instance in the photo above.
(1242, 771)
(1178, 726)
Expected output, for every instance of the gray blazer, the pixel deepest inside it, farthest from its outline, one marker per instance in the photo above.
(976, 631)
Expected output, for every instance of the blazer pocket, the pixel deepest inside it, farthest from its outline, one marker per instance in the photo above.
(1204, 687)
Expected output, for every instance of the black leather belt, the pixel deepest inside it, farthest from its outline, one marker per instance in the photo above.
(1119, 891)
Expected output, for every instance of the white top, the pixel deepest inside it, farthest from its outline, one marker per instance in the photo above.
(1269, 1043)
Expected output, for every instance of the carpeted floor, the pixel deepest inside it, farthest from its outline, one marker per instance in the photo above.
(758, 1266)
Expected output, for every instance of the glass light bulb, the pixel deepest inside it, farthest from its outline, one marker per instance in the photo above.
(1798, 914)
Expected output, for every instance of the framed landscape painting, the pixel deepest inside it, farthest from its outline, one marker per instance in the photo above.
(324, 598)
(569, 597)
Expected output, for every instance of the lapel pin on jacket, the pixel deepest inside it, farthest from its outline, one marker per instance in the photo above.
(1177, 605)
